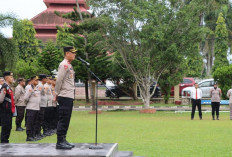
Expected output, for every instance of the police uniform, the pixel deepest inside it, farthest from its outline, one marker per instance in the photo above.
(20, 105)
(33, 98)
(26, 88)
(49, 110)
(7, 108)
(55, 106)
(43, 106)
(215, 94)
(28, 84)
(65, 90)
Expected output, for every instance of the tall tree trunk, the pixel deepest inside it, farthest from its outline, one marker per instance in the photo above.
(135, 94)
(212, 54)
(87, 57)
(79, 10)
(145, 95)
(146, 102)
(208, 64)
(86, 91)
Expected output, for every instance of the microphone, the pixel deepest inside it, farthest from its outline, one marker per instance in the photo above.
(83, 61)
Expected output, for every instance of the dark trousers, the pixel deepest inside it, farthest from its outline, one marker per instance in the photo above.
(48, 116)
(215, 107)
(65, 112)
(20, 115)
(41, 124)
(55, 117)
(6, 122)
(32, 122)
(194, 104)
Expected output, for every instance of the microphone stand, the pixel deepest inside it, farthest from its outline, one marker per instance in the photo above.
(96, 145)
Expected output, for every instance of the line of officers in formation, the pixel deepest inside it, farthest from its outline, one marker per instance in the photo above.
(40, 98)
(36, 101)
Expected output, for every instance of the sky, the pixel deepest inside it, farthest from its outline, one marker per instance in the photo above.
(23, 9)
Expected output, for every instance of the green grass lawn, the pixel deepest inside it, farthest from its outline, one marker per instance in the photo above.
(163, 134)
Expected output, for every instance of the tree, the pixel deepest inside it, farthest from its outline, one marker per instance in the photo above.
(209, 18)
(121, 76)
(150, 36)
(50, 57)
(195, 65)
(171, 77)
(89, 38)
(28, 69)
(223, 75)
(8, 48)
(221, 43)
(24, 36)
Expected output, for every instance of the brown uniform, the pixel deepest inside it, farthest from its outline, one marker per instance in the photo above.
(229, 95)
(20, 105)
(33, 98)
(65, 90)
(49, 112)
(215, 101)
(65, 85)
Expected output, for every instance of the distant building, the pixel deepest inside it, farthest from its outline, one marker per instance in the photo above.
(45, 23)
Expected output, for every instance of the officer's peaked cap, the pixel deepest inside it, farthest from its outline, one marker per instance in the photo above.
(70, 49)
(7, 73)
(42, 76)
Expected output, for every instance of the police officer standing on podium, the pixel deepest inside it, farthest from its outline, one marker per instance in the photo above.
(7, 106)
(65, 90)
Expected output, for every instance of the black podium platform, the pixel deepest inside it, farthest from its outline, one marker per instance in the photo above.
(48, 150)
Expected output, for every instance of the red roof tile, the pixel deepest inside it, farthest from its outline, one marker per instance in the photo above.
(45, 23)
(81, 2)
(49, 20)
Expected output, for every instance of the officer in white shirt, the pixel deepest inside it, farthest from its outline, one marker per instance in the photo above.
(196, 95)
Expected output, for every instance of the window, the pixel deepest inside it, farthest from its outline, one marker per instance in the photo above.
(212, 83)
(186, 81)
(206, 84)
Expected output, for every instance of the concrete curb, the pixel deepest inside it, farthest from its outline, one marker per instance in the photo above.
(128, 108)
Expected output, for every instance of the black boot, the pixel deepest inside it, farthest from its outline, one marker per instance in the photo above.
(18, 128)
(217, 117)
(213, 117)
(30, 138)
(38, 137)
(70, 144)
(22, 128)
(61, 144)
(46, 133)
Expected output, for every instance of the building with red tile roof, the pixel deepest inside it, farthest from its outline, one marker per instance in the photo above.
(45, 23)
